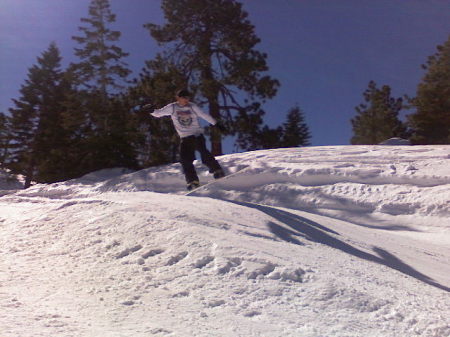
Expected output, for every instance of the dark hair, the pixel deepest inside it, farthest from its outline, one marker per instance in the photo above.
(183, 93)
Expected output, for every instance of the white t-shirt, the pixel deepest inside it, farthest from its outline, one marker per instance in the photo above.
(185, 118)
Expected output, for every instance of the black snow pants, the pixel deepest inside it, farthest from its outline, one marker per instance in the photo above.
(188, 146)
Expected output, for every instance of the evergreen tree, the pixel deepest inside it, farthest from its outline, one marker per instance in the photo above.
(4, 139)
(100, 73)
(213, 43)
(294, 132)
(431, 121)
(251, 131)
(102, 68)
(295, 129)
(377, 120)
(271, 138)
(78, 130)
(35, 128)
(157, 84)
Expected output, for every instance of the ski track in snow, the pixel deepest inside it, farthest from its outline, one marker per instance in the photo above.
(321, 241)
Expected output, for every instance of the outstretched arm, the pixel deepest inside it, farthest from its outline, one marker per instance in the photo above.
(209, 118)
(203, 115)
(166, 111)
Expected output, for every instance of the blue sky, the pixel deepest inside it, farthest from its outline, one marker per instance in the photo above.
(324, 53)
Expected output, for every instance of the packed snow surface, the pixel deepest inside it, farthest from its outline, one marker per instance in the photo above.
(320, 241)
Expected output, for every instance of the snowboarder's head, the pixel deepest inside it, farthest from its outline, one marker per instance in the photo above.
(183, 93)
(183, 96)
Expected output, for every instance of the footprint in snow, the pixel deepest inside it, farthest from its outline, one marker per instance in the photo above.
(128, 251)
(261, 271)
(252, 313)
(177, 258)
(203, 262)
(215, 303)
(152, 252)
(226, 266)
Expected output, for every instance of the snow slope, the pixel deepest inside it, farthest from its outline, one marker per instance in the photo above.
(321, 241)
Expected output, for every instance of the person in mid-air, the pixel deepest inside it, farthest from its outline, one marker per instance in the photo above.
(185, 117)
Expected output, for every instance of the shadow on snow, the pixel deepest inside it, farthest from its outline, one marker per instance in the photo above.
(312, 231)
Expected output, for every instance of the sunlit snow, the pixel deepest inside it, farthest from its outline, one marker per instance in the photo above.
(319, 241)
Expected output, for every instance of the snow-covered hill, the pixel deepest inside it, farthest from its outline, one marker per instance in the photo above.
(321, 241)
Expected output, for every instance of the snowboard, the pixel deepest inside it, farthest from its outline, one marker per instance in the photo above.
(216, 181)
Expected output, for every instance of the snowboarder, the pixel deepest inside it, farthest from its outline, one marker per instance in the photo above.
(185, 117)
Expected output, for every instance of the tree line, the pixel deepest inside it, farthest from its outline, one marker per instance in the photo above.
(378, 118)
(86, 117)
(68, 122)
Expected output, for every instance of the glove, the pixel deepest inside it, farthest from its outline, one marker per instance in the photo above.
(220, 127)
(149, 107)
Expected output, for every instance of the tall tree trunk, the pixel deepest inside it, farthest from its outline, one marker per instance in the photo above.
(214, 111)
(216, 137)
(29, 174)
(210, 90)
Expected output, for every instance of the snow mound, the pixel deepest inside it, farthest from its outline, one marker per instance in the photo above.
(102, 175)
(325, 241)
(396, 141)
(382, 187)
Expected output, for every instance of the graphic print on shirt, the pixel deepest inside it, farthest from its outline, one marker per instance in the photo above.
(184, 117)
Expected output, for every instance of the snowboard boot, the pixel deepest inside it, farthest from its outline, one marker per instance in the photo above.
(193, 185)
(218, 174)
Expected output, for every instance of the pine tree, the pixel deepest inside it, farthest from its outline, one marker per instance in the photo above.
(101, 74)
(77, 128)
(294, 132)
(4, 139)
(213, 43)
(271, 138)
(251, 131)
(431, 121)
(377, 120)
(35, 124)
(102, 68)
(295, 129)
(157, 84)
